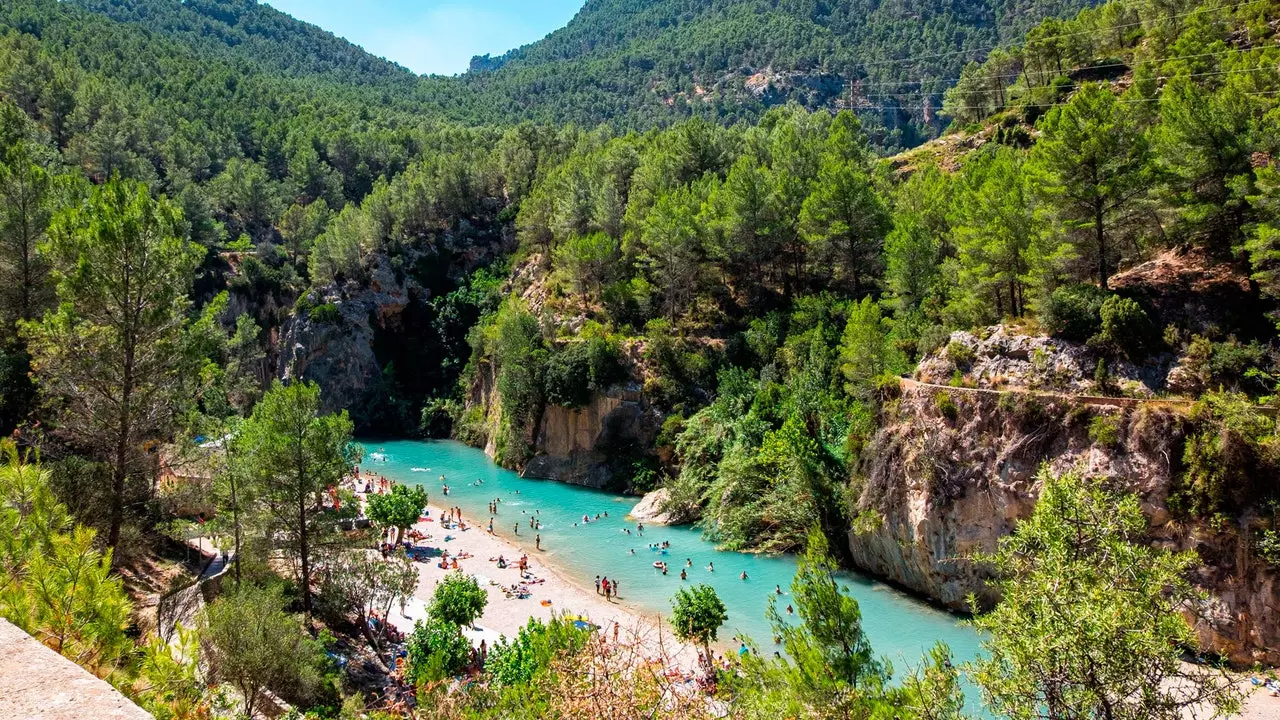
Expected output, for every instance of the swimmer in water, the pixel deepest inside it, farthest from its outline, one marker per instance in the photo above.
(711, 567)
(744, 574)
(777, 589)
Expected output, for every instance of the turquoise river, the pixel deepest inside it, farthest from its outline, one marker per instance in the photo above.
(900, 627)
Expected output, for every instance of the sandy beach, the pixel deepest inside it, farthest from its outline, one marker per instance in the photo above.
(505, 613)
(550, 592)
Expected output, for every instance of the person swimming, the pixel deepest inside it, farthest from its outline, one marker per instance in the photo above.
(777, 589)
(744, 575)
(711, 567)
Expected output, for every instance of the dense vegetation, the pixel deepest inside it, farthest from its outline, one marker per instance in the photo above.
(763, 281)
(182, 186)
(638, 64)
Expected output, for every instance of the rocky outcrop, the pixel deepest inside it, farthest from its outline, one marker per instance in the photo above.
(649, 509)
(955, 469)
(586, 445)
(332, 342)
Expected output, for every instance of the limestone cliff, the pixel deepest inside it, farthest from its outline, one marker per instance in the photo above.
(952, 470)
(583, 446)
(332, 343)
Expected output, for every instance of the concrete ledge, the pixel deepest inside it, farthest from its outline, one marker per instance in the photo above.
(37, 683)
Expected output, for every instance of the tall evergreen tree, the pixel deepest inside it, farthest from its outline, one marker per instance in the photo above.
(1088, 169)
(108, 360)
(296, 454)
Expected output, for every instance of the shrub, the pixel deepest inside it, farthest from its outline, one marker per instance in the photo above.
(1073, 312)
(1126, 328)
(1102, 378)
(1104, 430)
(1230, 457)
(1268, 547)
(436, 650)
(946, 405)
(457, 600)
(567, 380)
(327, 313)
(959, 353)
(517, 662)
(931, 338)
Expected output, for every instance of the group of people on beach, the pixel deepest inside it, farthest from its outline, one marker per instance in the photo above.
(607, 587)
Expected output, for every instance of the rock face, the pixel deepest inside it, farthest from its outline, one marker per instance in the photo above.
(578, 445)
(948, 479)
(582, 446)
(649, 509)
(336, 350)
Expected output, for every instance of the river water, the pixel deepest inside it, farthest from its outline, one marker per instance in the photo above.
(900, 627)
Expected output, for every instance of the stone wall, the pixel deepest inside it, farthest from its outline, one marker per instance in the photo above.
(36, 683)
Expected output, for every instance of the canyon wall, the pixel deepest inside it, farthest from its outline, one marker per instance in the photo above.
(952, 470)
(583, 446)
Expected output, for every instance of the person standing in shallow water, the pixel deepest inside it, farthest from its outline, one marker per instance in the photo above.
(537, 542)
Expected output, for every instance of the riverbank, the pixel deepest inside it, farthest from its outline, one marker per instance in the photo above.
(476, 551)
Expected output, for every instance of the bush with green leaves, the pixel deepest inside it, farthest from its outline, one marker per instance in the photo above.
(1104, 430)
(249, 641)
(1126, 328)
(457, 600)
(326, 314)
(567, 380)
(518, 661)
(1074, 312)
(1230, 458)
(436, 650)
(398, 509)
(960, 354)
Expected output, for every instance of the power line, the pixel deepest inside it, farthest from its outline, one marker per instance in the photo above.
(988, 49)
(1048, 105)
(1015, 76)
(1074, 86)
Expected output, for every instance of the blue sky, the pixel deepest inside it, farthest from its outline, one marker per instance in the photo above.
(434, 36)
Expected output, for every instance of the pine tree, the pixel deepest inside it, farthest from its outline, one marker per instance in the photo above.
(1089, 168)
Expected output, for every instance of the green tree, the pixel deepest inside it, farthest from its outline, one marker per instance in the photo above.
(696, 616)
(55, 584)
(1203, 147)
(1090, 621)
(458, 600)
(108, 358)
(993, 229)
(831, 623)
(249, 641)
(588, 260)
(673, 249)
(359, 581)
(296, 454)
(744, 222)
(915, 247)
(845, 221)
(865, 349)
(301, 225)
(400, 508)
(25, 211)
(1089, 167)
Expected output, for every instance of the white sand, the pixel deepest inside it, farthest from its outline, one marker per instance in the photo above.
(505, 615)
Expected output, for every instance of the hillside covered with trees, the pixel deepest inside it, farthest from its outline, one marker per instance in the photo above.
(218, 223)
(635, 64)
